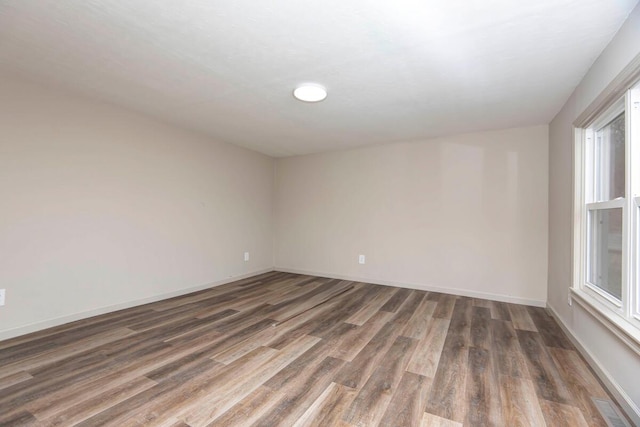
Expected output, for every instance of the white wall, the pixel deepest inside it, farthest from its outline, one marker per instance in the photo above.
(102, 208)
(464, 214)
(621, 365)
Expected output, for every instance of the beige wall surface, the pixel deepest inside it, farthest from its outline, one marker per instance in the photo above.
(617, 362)
(464, 214)
(102, 208)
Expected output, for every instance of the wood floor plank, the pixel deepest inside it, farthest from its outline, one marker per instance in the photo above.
(549, 330)
(557, 414)
(302, 324)
(166, 406)
(220, 341)
(575, 371)
(306, 303)
(58, 336)
(17, 419)
(341, 311)
(88, 360)
(430, 420)
(418, 325)
(355, 373)
(60, 353)
(44, 398)
(134, 409)
(328, 408)
(480, 336)
(408, 308)
(372, 306)
(250, 409)
(548, 382)
(328, 315)
(447, 395)
(425, 359)
(237, 384)
(358, 338)
(370, 404)
(484, 303)
(15, 378)
(509, 359)
(230, 353)
(161, 318)
(195, 297)
(444, 309)
(214, 312)
(254, 300)
(396, 300)
(243, 319)
(295, 282)
(310, 358)
(500, 311)
(519, 407)
(581, 383)
(24, 393)
(406, 406)
(212, 319)
(520, 318)
(435, 296)
(482, 390)
(352, 354)
(301, 393)
(71, 412)
(55, 403)
(281, 296)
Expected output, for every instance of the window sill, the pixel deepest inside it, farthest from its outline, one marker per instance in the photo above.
(618, 325)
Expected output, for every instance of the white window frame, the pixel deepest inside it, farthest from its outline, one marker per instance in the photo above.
(635, 277)
(621, 316)
(591, 205)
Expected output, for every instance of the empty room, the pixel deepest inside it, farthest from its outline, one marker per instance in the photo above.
(305, 213)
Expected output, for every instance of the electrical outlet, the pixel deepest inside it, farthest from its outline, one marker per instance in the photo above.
(361, 259)
(2, 292)
(569, 297)
(246, 256)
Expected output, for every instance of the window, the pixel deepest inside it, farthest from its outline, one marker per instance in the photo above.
(607, 212)
(605, 202)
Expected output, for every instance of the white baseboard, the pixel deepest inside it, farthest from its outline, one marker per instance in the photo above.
(38, 326)
(627, 404)
(421, 287)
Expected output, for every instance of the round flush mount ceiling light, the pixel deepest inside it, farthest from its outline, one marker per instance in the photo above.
(310, 92)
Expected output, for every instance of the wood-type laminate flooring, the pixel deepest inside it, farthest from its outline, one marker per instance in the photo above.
(281, 349)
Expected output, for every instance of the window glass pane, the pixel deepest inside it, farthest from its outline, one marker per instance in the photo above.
(605, 250)
(609, 158)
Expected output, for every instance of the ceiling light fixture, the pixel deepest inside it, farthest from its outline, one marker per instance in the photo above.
(310, 92)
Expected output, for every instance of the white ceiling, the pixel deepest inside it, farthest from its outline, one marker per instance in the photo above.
(395, 70)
